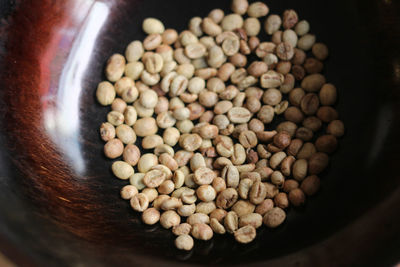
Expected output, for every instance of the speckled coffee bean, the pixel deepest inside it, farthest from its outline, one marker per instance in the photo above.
(274, 217)
(297, 197)
(318, 163)
(326, 144)
(310, 185)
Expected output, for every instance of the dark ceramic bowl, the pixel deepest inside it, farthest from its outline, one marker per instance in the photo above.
(60, 204)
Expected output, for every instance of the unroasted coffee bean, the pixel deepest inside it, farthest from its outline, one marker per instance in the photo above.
(320, 51)
(264, 207)
(300, 168)
(203, 176)
(281, 200)
(328, 95)
(285, 51)
(202, 231)
(313, 123)
(295, 96)
(318, 163)
(327, 114)
(312, 65)
(248, 139)
(230, 168)
(294, 114)
(239, 115)
(154, 178)
(245, 234)
(304, 134)
(288, 127)
(335, 128)
(310, 185)
(294, 147)
(306, 151)
(290, 18)
(198, 218)
(275, 217)
(227, 198)
(313, 83)
(282, 140)
(231, 175)
(291, 184)
(139, 202)
(297, 197)
(257, 193)
(310, 104)
(231, 222)
(326, 143)
(266, 114)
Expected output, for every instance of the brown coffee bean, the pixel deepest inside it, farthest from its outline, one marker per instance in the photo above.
(264, 207)
(313, 82)
(327, 114)
(335, 128)
(320, 51)
(318, 163)
(295, 96)
(297, 197)
(253, 104)
(304, 134)
(312, 66)
(299, 57)
(310, 185)
(252, 156)
(286, 165)
(300, 168)
(306, 151)
(290, 19)
(288, 127)
(326, 143)
(257, 68)
(291, 184)
(294, 114)
(312, 123)
(328, 94)
(294, 147)
(310, 104)
(282, 140)
(266, 114)
(275, 217)
(298, 72)
(281, 200)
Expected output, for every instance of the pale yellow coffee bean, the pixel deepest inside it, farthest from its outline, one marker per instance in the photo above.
(122, 170)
